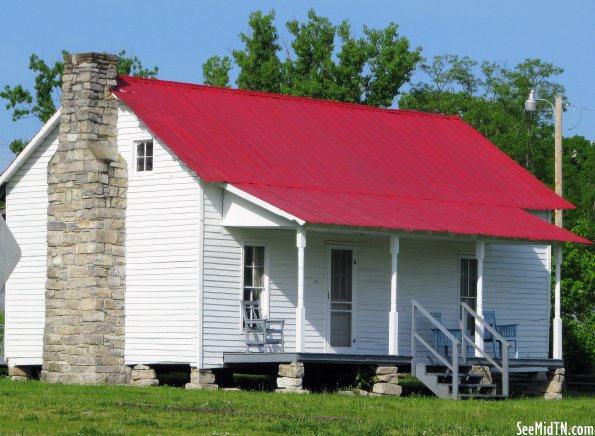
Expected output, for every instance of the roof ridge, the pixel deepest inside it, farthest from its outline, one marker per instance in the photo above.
(404, 197)
(272, 95)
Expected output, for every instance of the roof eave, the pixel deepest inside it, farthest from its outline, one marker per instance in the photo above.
(31, 147)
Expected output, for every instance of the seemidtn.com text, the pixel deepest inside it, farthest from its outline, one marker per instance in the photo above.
(553, 428)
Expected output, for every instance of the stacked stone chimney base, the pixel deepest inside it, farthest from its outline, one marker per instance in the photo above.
(87, 188)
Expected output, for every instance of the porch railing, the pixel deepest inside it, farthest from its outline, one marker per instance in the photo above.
(503, 367)
(415, 336)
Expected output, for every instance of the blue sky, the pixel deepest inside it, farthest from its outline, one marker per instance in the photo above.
(179, 35)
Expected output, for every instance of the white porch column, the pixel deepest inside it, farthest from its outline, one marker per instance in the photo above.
(557, 334)
(300, 311)
(393, 317)
(480, 251)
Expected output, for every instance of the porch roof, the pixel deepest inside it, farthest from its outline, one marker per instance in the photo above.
(392, 212)
(346, 164)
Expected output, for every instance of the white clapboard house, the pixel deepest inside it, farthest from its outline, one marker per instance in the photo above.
(341, 220)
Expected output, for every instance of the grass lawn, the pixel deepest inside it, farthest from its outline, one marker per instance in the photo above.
(34, 408)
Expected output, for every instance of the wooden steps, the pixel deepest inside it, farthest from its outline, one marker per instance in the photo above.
(439, 379)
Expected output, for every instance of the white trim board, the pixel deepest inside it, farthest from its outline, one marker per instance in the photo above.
(261, 203)
(31, 147)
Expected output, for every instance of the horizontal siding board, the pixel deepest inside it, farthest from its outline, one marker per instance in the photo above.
(26, 207)
(162, 249)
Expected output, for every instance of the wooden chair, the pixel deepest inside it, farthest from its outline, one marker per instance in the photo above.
(508, 331)
(441, 342)
(260, 331)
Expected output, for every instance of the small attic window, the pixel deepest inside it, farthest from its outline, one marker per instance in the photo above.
(144, 156)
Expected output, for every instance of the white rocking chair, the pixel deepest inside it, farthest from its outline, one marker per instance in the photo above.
(261, 332)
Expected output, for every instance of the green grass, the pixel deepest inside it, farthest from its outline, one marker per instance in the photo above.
(36, 408)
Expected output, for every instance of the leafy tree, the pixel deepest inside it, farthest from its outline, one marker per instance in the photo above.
(260, 67)
(216, 71)
(42, 102)
(132, 66)
(324, 60)
(579, 180)
(578, 301)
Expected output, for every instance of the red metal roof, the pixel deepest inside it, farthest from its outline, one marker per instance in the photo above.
(346, 164)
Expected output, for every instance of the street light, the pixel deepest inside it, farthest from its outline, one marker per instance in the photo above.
(531, 106)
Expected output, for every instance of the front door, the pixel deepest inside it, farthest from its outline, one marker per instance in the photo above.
(341, 263)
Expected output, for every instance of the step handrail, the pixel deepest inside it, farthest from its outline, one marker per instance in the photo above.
(454, 365)
(466, 310)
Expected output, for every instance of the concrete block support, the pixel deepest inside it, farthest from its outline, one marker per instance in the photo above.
(549, 385)
(143, 375)
(290, 378)
(19, 373)
(387, 381)
(202, 379)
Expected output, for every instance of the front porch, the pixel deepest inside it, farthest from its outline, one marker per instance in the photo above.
(344, 295)
(349, 292)
(528, 376)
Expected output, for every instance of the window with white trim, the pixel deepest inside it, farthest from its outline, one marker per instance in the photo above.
(254, 274)
(144, 156)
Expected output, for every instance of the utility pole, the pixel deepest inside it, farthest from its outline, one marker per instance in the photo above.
(558, 156)
(531, 106)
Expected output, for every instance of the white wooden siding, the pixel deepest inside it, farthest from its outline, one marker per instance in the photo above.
(223, 280)
(162, 253)
(428, 272)
(517, 282)
(26, 215)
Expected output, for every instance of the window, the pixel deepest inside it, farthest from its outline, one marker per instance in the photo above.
(144, 156)
(254, 278)
(468, 286)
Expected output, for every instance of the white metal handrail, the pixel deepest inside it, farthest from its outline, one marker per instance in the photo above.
(454, 365)
(466, 311)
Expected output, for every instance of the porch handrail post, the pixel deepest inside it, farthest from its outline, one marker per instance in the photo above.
(455, 370)
(300, 312)
(557, 325)
(462, 325)
(505, 390)
(480, 255)
(413, 327)
(393, 318)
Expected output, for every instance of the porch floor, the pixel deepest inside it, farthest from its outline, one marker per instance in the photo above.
(236, 359)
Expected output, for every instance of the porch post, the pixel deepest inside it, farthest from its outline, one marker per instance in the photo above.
(480, 250)
(393, 317)
(557, 339)
(300, 312)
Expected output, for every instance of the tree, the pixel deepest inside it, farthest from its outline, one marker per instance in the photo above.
(260, 67)
(578, 301)
(323, 60)
(216, 71)
(579, 180)
(43, 101)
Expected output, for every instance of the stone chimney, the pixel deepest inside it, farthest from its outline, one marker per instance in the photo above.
(83, 340)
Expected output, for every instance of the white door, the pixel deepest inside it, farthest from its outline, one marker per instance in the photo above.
(341, 293)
